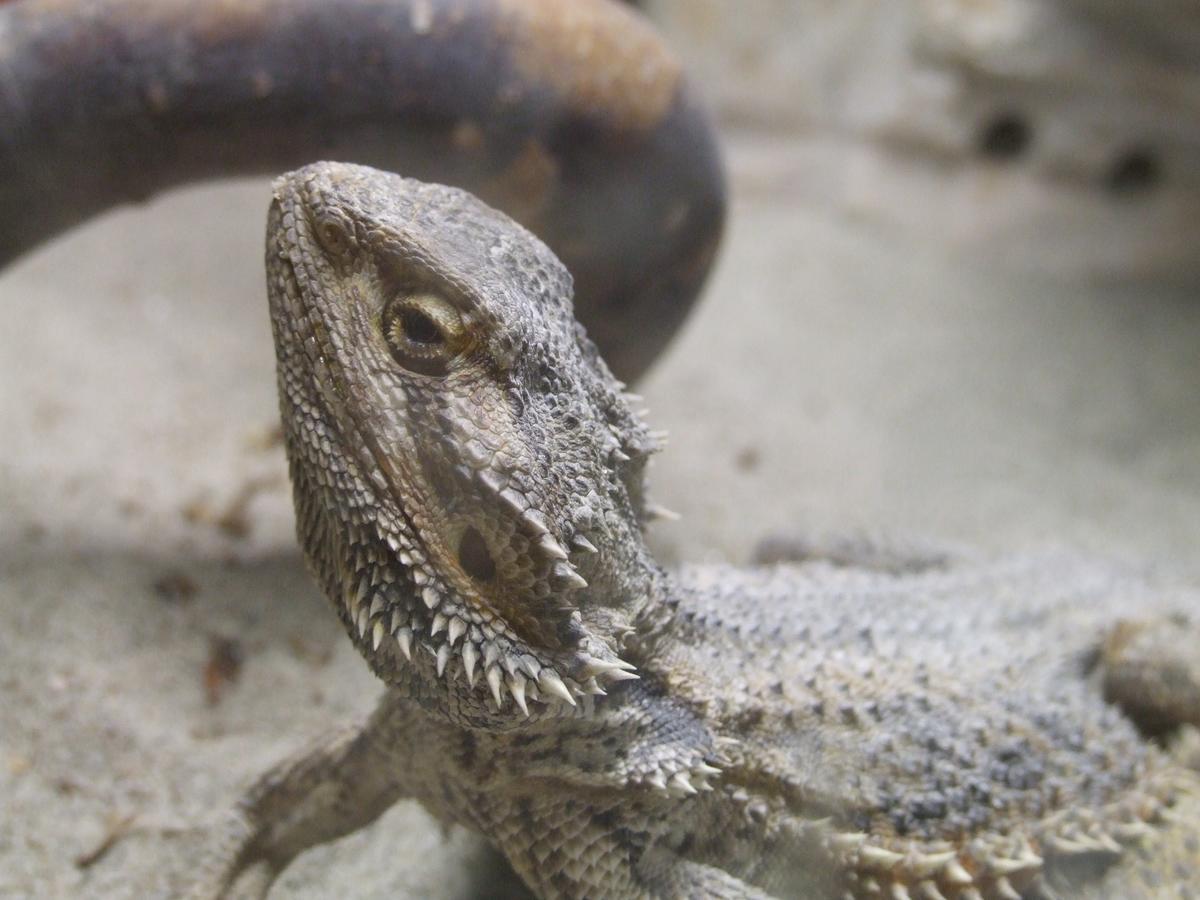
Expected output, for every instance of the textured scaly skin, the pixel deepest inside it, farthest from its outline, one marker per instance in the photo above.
(866, 722)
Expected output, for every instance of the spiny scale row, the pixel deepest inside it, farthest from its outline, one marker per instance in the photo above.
(928, 874)
(939, 874)
(378, 570)
(682, 782)
(521, 675)
(563, 574)
(478, 642)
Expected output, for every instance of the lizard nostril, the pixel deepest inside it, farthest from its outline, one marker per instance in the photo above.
(474, 556)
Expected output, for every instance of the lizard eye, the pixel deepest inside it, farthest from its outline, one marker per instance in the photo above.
(424, 333)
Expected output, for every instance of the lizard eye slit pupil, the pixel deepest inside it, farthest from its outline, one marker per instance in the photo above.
(474, 556)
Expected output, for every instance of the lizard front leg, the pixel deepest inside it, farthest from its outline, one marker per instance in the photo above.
(345, 781)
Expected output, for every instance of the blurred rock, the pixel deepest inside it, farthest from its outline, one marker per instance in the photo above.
(1061, 134)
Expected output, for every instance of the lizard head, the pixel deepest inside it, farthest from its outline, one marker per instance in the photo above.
(468, 474)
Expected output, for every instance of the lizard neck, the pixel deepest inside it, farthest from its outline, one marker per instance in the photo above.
(654, 615)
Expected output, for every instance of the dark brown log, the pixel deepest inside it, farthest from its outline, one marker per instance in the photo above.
(570, 116)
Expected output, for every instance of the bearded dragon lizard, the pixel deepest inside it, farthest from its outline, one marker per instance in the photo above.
(469, 489)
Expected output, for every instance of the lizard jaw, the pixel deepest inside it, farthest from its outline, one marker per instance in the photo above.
(401, 613)
(405, 607)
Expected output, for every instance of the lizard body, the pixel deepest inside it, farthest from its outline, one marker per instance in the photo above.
(468, 480)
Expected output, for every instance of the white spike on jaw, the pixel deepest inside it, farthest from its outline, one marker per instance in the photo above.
(846, 841)
(516, 684)
(491, 653)
(956, 874)
(470, 655)
(510, 664)
(549, 682)
(443, 655)
(582, 543)
(495, 683)
(431, 597)
(457, 629)
(364, 585)
(377, 634)
(621, 675)
(879, 858)
(404, 640)
(680, 785)
(564, 573)
(377, 604)
(551, 547)
(613, 670)
(656, 511)
(925, 865)
(439, 623)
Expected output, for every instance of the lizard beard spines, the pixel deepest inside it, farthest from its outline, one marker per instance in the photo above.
(507, 496)
(403, 614)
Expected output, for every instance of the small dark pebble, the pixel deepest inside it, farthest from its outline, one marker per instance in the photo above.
(748, 459)
(175, 587)
(225, 657)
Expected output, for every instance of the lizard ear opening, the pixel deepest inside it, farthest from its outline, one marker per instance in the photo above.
(474, 556)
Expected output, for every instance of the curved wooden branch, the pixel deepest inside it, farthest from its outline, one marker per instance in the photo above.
(572, 117)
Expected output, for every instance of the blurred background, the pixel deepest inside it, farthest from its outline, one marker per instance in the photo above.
(957, 298)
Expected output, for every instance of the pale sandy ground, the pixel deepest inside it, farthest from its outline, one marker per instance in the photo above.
(839, 375)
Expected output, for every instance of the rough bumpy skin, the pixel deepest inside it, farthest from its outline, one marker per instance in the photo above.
(864, 721)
